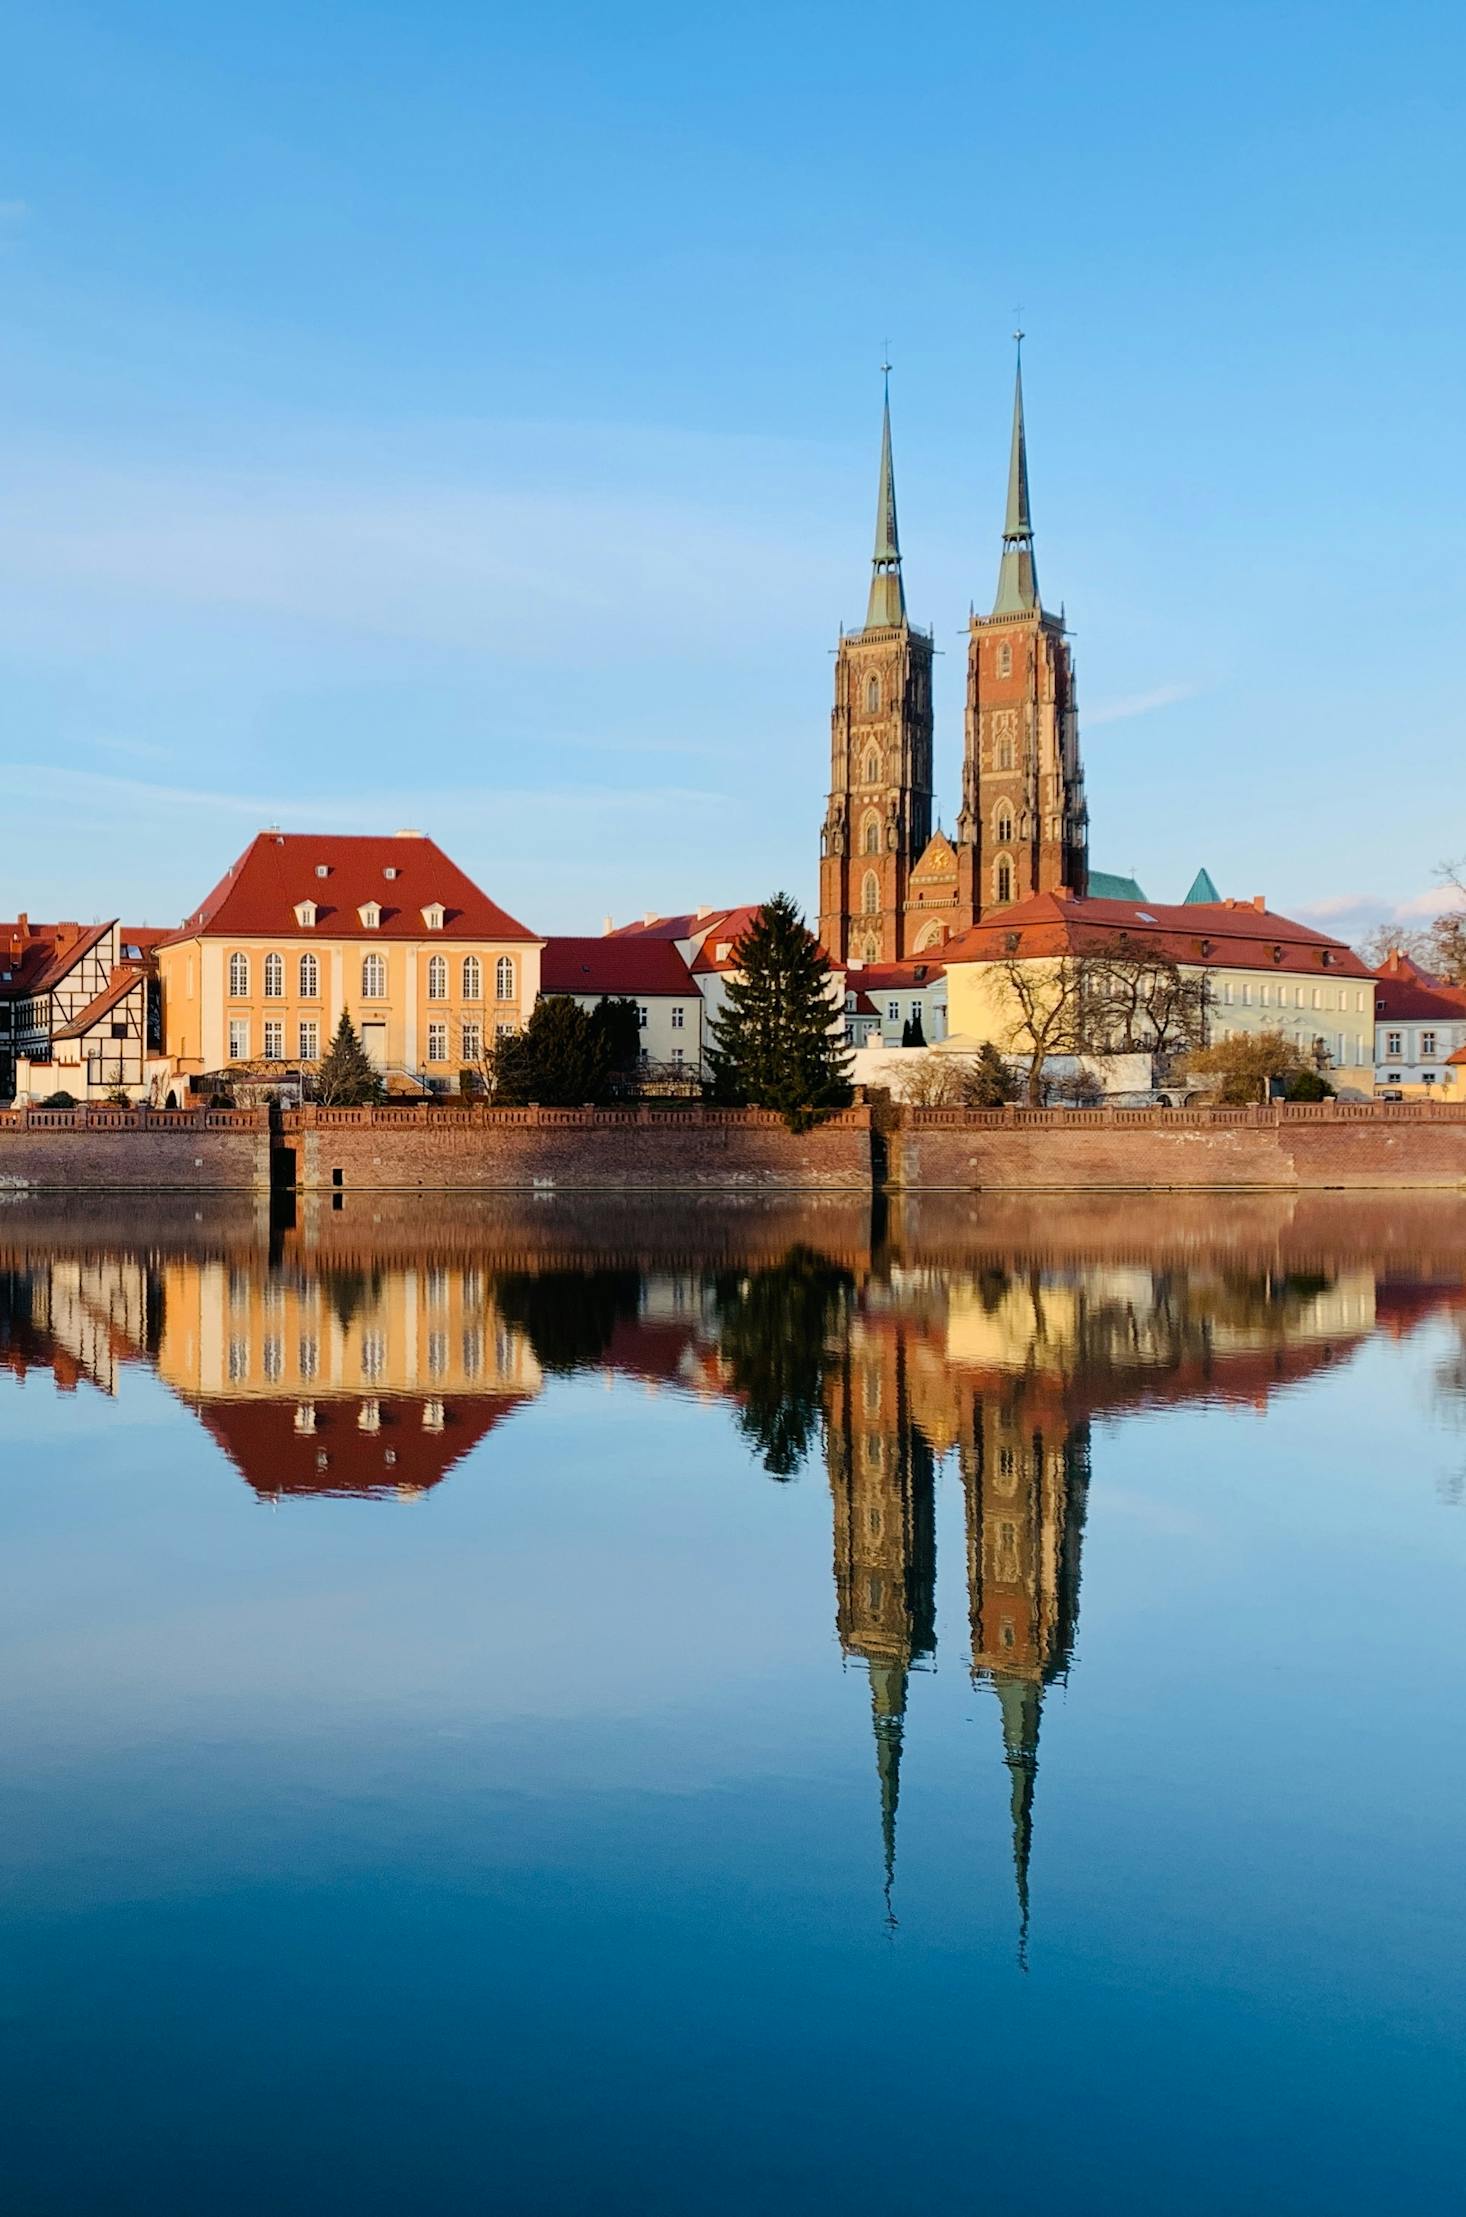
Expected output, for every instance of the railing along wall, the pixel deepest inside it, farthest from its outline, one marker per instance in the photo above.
(1258, 1115)
(431, 1116)
(137, 1119)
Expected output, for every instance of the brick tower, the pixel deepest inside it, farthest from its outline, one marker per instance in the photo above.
(878, 821)
(1023, 827)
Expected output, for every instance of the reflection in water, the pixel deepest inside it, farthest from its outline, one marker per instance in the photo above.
(325, 1365)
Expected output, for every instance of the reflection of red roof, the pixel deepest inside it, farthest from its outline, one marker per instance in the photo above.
(613, 965)
(259, 894)
(113, 994)
(1220, 934)
(340, 1457)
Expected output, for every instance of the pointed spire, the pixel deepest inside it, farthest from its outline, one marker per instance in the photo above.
(888, 1713)
(1203, 889)
(1018, 573)
(887, 593)
(1021, 1701)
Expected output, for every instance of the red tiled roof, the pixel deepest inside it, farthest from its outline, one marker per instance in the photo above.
(732, 924)
(671, 927)
(1221, 934)
(1401, 997)
(613, 965)
(45, 955)
(122, 981)
(892, 977)
(1459, 1057)
(257, 897)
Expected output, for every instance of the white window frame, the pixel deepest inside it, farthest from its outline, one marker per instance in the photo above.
(239, 977)
(274, 1039)
(308, 1039)
(309, 978)
(438, 1040)
(437, 978)
(274, 977)
(239, 1039)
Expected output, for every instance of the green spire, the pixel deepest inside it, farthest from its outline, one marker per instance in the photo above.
(888, 1711)
(887, 594)
(1017, 574)
(1021, 1701)
(1202, 889)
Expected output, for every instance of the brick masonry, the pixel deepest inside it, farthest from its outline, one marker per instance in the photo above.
(566, 1149)
(1367, 1147)
(154, 1150)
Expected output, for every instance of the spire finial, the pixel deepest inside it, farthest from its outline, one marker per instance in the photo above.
(1018, 574)
(887, 605)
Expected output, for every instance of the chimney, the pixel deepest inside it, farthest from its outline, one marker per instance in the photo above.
(1259, 902)
(701, 913)
(649, 916)
(607, 927)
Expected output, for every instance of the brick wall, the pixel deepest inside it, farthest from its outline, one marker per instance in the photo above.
(1367, 1146)
(98, 1150)
(554, 1149)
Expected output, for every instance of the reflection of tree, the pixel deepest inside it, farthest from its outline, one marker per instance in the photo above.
(569, 1316)
(350, 1290)
(775, 1331)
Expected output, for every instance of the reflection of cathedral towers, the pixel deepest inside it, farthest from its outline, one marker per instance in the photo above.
(1026, 1488)
(881, 1481)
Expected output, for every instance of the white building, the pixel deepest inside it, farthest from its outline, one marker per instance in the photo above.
(1419, 1025)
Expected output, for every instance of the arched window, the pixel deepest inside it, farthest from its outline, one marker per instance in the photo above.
(872, 768)
(373, 977)
(437, 979)
(238, 977)
(1003, 881)
(930, 936)
(1005, 752)
(872, 950)
(870, 834)
(873, 695)
(1005, 660)
(274, 977)
(310, 978)
(504, 979)
(1003, 825)
(870, 894)
(473, 978)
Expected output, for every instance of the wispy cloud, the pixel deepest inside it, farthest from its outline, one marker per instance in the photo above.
(1139, 704)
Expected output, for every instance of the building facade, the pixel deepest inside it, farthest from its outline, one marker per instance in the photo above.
(651, 972)
(1420, 1025)
(303, 928)
(79, 1011)
(890, 887)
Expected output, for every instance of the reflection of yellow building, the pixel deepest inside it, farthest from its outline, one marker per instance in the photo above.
(358, 1378)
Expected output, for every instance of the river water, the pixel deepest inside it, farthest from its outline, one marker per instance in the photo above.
(733, 1707)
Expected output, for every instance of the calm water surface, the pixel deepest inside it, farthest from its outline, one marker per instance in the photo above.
(735, 1709)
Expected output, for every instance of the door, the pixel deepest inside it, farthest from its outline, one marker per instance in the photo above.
(374, 1039)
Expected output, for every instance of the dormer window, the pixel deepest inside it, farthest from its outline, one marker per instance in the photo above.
(370, 913)
(723, 951)
(433, 915)
(323, 869)
(391, 871)
(305, 914)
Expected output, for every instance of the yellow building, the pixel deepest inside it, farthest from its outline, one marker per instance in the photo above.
(388, 930)
(1262, 971)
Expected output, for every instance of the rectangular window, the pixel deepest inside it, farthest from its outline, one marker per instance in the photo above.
(1247, 992)
(1394, 1043)
(473, 1046)
(310, 1041)
(679, 1014)
(274, 1042)
(1427, 1048)
(504, 1031)
(893, 1012)
(437, 1043)
(239, 1039)
(676, 1054)
(642, 1013)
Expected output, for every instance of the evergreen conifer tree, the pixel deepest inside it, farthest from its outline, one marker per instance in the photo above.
(918, 1035)
(773, 1043)
(993, 1084)
(347, 1077)
(559, 1060)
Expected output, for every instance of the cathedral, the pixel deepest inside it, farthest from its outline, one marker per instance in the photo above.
(892, 887)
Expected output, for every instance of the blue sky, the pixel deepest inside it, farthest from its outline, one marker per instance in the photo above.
(467, 417)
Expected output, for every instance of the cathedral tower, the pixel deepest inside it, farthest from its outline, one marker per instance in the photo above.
(1023, 827)
(878, 820)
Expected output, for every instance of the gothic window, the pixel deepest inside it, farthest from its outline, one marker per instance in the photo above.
(1005, 660)
(274, 978)
(870, 834)
(373, 977)
(238, 977)
(473, 978)
(1003, 825)
(1003, 880)
(437, 979)
(872, 768)
(873, 695)
(872, 950)
(870, 895)
(310, 978)
(931, 936)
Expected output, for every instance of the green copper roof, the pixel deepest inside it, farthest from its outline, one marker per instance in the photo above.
(1202, 889)
(1104, 885)
(887, 594)
(1018, 572)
